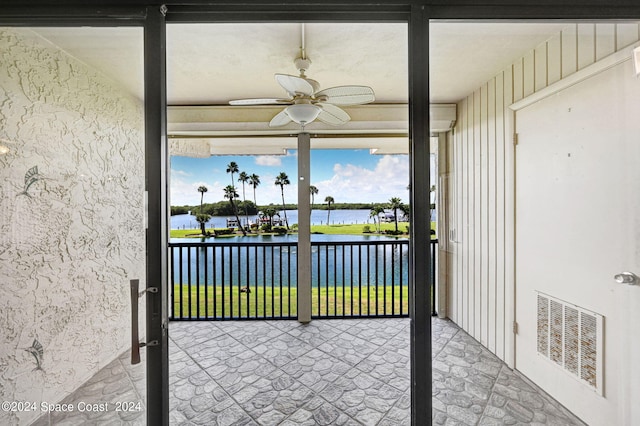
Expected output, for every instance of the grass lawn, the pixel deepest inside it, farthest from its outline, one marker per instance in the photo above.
(351, 229)
(347, 229)
(266, 302)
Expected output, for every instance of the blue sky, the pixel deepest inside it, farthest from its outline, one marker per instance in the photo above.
(346, 175)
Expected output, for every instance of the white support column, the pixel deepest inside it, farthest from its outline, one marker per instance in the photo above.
(304, 229)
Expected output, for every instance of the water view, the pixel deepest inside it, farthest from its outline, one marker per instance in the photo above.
(265, 258)
(318, 217)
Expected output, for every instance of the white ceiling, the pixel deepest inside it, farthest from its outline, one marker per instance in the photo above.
(214, 63)
(211, 64)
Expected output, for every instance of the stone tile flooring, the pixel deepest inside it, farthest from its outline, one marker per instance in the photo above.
(330, 372)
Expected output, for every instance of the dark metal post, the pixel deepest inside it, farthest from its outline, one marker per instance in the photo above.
(155, 103)
(420, 247)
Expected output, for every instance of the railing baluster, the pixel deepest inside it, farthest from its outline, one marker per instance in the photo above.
(273, 261)
(393, 279)
(280, 274)
(215, 284)
(319, 280)
(335, 280)
(377, 277)
(368, 280)
(247, 281)
(344, 291)
(351, 275)
(289, 281)
(197, 283)
(401, 279)
(172, 316)
(326, 279)
(180, 283)
(255, 256)
(235, 266)
(384, 281)
(222, 262)
(264, 282)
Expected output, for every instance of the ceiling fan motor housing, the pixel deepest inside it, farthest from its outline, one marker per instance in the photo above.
(302, 64)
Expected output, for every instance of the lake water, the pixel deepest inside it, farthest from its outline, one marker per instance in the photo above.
(383, 262)
(318, 217)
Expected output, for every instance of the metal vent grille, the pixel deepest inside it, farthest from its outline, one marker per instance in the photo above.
(571, 337)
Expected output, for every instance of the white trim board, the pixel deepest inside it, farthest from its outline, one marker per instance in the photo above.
(577, 77)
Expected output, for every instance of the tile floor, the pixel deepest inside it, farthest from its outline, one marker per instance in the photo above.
(330, 372)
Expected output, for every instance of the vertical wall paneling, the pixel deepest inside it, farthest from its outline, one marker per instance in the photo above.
(529, 73)
(484, 229)
(467, 218)
(509, 229)
(460, 230)
(554, 60)
(518, 83)
(483, 264)
(586, 44)
(454, 307)
(626, 34)
(452, 197)
(477, 211)
(569, 46)
(605, 40)
(491, 215)
(540, 67)
(500, 213)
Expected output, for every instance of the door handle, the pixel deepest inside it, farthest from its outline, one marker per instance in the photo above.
(135, 339)
(626, 278)
(136, 344)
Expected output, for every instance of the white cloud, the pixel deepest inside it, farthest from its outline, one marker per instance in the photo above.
(180, 173)
(351, 183)
(268, 160)
(184, 192)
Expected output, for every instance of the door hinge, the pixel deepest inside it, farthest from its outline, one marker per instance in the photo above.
(515, 327)
(515, 139)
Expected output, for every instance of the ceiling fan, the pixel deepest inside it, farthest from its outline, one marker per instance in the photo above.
(307, 102)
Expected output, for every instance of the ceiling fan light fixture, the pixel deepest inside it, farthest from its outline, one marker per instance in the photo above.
(303, 114)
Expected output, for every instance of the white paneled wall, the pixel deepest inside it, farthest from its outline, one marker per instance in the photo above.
(480, 177)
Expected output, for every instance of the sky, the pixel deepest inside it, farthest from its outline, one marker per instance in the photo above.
(349, 176)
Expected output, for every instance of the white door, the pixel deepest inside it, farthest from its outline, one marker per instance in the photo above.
(578, 225)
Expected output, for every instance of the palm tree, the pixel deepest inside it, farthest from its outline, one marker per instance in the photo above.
(269, 212)
(230, 193)
(395, 203)
(281, 180)
(201, 217)
(406, 211)
(244, 178)
(232, 168)
(254, 181)
(329, 200)
(375, 214)
(313, 190)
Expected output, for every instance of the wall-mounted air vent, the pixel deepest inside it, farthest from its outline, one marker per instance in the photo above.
(571, 337)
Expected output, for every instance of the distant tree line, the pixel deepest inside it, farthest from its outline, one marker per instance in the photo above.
(221, 208)
(252, 209)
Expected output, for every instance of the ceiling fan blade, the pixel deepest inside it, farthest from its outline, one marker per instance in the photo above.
(347, 95)
(294, 85)
(259, 101)
(332, 114)
(280, 119)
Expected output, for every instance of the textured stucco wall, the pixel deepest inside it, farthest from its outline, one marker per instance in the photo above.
(71, 219)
